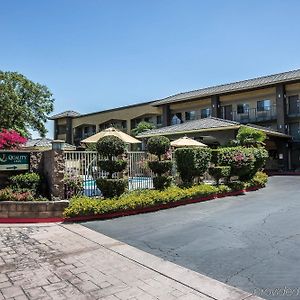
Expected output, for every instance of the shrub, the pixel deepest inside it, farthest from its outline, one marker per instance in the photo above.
(138, 199)
(8, 194)
(25, 182)
(248, 136)
(219, 172)
(111, 147)
(142, 127)
(261, 155)
(112, 166)
(73, 186)
(162, 182)
(237, 185)
(160, 167)
(10, 139)
(158, 145)
(111, 187)
(259, 179)
(191, 162)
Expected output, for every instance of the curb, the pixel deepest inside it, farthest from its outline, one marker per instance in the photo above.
(207, 286)
(129, 212)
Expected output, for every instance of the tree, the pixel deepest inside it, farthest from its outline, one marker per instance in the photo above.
(24, 104)
(141, 127)
(248, 136)
(10, 139)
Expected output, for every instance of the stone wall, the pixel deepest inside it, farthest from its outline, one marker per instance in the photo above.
(50, 165)
(47, 209)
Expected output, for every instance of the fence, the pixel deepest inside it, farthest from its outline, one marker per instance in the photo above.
(84, 164)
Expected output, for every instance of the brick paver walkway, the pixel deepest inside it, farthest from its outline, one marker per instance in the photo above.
(53, 262)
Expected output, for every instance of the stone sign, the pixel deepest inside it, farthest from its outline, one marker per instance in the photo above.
(14, 161)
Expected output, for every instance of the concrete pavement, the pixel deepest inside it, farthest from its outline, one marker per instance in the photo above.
(69, 261)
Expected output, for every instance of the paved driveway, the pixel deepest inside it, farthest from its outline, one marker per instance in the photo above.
(251, 242)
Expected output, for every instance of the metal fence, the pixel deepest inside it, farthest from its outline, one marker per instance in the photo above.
(84, 165)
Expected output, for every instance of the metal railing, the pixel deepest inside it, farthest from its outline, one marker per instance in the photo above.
(255, 115)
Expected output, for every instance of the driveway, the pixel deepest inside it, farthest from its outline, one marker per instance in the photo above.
(251, 242)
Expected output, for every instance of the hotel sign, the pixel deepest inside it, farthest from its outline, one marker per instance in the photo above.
(14, 161)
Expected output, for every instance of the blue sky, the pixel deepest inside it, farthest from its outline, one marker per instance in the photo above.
(100, 54)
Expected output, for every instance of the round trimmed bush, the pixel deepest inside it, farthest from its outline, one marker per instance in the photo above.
(219, 172)
(158, 145)
(110, 146)
(112, 166)
(162, 182)
(160, 167)
(111, 187)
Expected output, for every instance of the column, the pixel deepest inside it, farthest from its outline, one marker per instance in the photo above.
(215, 106)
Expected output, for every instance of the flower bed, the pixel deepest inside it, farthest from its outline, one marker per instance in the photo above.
(151, 200)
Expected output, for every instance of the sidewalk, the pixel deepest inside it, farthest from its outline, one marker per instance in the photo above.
(69, 261)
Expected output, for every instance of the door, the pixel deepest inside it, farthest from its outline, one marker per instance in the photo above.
(227, 112)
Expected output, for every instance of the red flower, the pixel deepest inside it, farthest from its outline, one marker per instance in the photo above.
(11, 140)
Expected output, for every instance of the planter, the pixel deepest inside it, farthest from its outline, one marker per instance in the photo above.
(33, 211)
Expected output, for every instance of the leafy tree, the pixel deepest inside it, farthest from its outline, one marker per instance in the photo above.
(248, 136)
(141, 127)
(24, 104)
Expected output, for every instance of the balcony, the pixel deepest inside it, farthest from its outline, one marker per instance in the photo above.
(253, 115)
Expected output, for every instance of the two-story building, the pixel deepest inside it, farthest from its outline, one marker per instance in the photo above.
(269, 101)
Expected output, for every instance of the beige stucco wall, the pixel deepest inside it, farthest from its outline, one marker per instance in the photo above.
(120, 114)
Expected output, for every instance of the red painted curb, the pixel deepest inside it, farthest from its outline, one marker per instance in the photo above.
(128, 212)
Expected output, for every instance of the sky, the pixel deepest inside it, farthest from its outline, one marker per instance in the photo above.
(100, 54)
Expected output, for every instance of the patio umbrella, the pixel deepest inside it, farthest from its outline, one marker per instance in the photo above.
(187, 142)
(126, 138)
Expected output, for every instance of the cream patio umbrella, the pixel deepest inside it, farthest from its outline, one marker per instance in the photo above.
(186, 142)
(126, 138)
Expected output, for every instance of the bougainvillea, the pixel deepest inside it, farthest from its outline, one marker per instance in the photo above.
(11, 139)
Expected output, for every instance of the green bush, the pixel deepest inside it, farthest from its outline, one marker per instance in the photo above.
(8, 194)
(160, 167)
(219, 172)
(110, 146)
(73, 186)
(248, 136)
(138, 199)
(158, 145)
(237, 185)
(162, 182)
(111, 187)
(28, 182)
(259, 179)
(112, 166)
(192, 162)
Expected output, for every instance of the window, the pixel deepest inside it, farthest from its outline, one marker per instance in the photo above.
(243, 108)
(158, 120)
(147, 120)
(295, 130)
(190, 115)
(124, 124)
(61, 129)
(264, 105)
(176, 119)
(205, 112)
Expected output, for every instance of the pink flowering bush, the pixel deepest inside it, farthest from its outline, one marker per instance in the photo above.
(11, 140)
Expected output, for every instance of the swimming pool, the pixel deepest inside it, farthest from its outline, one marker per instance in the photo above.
(134, 183)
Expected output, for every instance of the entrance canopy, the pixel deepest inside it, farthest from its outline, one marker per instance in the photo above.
(126, 138)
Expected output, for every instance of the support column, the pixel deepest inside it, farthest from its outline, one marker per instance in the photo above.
(166, 117)
(215, 106)
(69, 131)
(55, 129)
(281, 108)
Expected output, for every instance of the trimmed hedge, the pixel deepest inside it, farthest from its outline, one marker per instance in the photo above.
(158, 145)
(160, 167)
(28, 182)
(219, 172)
(192, 162)
(84, 206)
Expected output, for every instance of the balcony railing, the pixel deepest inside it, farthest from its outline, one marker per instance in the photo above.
(254, 115)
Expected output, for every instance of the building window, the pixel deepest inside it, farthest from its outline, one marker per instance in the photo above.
(124, 124)
(294, 130)
(264, 105)
(190, 115)
(243, 108)
(205, 113)
(158, 120)
(176, 119)
(61, 129)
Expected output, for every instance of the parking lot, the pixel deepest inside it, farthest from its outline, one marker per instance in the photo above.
(251, 241)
